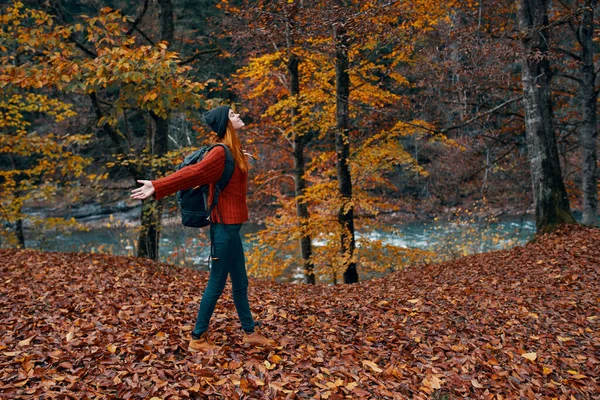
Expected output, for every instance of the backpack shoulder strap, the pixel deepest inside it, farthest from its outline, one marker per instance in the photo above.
(229, 167)
(224, 180)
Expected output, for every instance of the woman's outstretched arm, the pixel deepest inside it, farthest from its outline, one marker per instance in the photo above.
(209, 170)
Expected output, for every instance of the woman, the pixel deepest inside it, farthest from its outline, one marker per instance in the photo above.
(227, 218)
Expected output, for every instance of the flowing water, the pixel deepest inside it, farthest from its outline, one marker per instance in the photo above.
(190, 247)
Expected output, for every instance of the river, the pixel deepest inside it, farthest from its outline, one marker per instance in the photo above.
(190, 247)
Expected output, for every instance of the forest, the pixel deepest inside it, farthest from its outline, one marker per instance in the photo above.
(361, 118)
(359, 114)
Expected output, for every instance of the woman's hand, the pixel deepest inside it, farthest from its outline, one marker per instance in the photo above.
(143, 192)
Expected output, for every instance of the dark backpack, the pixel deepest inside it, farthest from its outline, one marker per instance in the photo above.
(193, 202)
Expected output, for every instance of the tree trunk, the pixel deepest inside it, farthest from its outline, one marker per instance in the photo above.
(589, 97)
(165, 16)
(149, 238)
(158, 141)
(20, 233)
(342, 148)
(549, 194)
(299, 182)
(19, 223)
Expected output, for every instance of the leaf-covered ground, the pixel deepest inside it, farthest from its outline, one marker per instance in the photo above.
(522, 323)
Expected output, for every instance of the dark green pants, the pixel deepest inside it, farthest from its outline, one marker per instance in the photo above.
(227, 259)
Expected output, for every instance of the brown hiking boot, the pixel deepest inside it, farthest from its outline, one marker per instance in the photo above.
(256, 339)
(201, 345)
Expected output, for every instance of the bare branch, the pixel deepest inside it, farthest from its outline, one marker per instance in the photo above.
(567, 52)
(568, 76)
(138, 19)
(197, 55)
(488, 112)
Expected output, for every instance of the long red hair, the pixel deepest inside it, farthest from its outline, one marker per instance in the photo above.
(232, 141)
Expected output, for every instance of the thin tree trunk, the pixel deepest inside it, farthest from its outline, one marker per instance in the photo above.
(149, 238)
(19, 223)
(342, 148)
(158, 135)
(20, 233)
(299, 181)
(589, 97)
(549, 194)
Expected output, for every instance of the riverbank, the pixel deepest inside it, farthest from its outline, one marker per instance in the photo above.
(523, 322)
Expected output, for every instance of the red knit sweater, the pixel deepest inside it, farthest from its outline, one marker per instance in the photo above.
(232, 206)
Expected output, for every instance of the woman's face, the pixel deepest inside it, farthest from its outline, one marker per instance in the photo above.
(235, 119)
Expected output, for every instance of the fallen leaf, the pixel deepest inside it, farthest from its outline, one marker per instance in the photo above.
(435, 382)
(374, 367)
(26, 341)
(476, 384)
(66, 365)
(579, 376)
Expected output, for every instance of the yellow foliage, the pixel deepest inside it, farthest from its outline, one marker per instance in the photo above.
(374, 157)
(147, 78)
(51, 165)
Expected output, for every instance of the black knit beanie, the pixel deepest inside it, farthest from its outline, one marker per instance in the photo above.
(217, 120)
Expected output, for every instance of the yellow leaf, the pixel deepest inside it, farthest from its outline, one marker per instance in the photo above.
(435, 382)
(275, 358)
(563, 338)
(112, 348)
(432, 382)
(529, 356)
(26, 341)
(547, 370)
(374, 367)
(413, 301)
